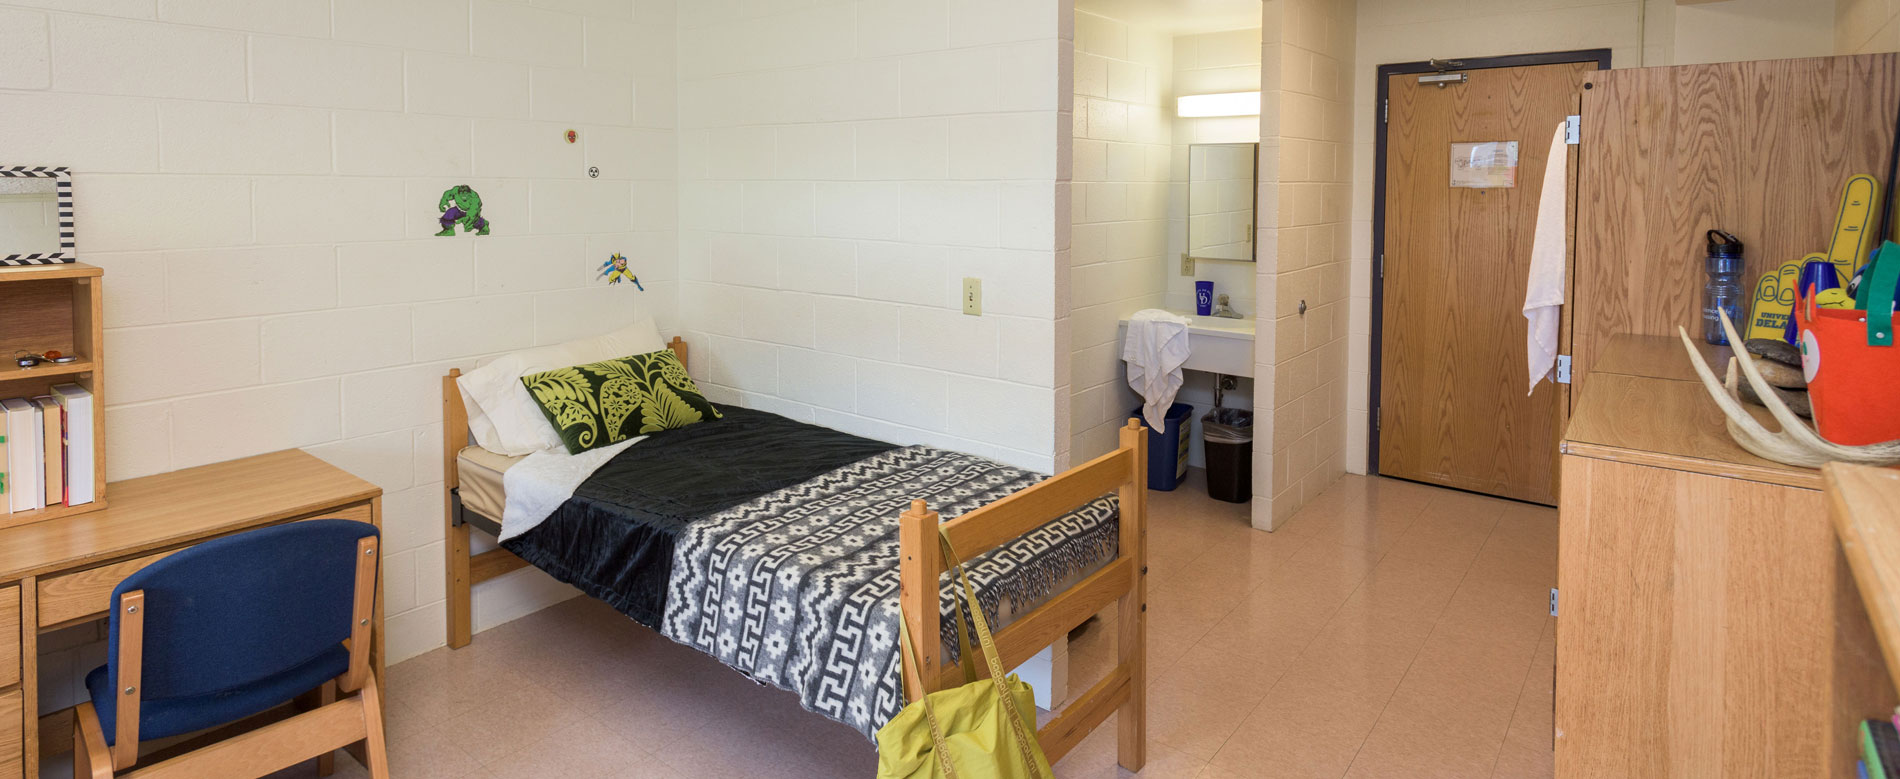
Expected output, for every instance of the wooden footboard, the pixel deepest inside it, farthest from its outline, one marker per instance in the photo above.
(1123, 471)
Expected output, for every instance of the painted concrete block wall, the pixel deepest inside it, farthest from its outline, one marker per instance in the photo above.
(1866, 26)
(1736, 30)
(1123, 130)
(843, 167)
(1206, 64)
(1302, 359)
(260, 184)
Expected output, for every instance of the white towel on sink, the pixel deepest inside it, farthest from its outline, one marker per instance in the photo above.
(1550, 245)
(1155, 346)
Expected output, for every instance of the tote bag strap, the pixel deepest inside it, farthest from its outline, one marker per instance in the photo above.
(1876, 294)
(1025, 737)
(941, 749)
(966, 652)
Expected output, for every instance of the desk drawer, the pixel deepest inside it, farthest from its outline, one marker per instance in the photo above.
(12, 736)
(87, 593)
(9, 637)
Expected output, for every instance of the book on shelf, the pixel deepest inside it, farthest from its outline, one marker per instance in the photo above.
(80, 460)
(24, 431)
(1880, 748)
(53, 451)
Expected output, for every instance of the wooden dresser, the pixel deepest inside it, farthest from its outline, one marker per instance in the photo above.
(1708, 624)
(61, 572)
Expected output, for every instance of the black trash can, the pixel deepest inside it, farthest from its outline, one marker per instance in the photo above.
(1227, 439)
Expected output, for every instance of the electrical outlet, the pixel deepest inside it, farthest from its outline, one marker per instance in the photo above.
(1187, 264)
(973, 296)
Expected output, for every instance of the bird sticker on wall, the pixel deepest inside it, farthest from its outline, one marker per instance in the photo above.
(614, 270)
(461, 205)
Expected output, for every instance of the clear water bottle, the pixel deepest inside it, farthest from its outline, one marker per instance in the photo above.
(1724, 290)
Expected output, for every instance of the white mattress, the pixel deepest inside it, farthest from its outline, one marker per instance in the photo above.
(480, 472)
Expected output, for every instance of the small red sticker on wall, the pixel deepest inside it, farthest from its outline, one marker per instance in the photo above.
(573, 136)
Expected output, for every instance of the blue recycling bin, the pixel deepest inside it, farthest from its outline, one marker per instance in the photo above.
(1168, 448)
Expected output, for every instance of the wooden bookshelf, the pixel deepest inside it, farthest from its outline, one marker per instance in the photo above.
(58, 307)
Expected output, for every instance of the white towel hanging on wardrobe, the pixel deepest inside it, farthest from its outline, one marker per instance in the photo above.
(1155, 346)
(1544, 294)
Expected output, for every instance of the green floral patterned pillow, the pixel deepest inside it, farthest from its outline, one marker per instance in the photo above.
(610, 401)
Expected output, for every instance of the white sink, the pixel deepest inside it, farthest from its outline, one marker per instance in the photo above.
(1218, 345)
(1220, 326)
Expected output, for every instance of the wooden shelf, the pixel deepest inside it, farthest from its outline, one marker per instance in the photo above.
(1864, 503)
(71, 270)
(11, 371)
(1669, 424)
(54, 511)
(44, 307)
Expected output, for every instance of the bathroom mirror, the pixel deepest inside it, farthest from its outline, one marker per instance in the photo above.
(1221, 197)
(36, 216)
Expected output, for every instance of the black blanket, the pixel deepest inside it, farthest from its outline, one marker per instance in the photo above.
(614, 539)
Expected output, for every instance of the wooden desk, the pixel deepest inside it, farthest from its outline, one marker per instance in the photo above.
(1865, 506)
(60, 572)
(1707, 623)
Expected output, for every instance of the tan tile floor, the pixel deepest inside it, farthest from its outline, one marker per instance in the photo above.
(1389, 629)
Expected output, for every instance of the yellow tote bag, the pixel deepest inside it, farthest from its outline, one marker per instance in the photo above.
(981, 730)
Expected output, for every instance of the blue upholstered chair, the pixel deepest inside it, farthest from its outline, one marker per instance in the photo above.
(233, 628)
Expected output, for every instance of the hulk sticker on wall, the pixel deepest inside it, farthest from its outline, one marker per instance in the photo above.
(461, 205)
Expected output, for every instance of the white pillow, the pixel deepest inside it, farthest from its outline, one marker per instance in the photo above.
(503, 416)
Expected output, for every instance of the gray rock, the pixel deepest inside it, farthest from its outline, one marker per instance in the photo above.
(1781, 375)
(1774, 349)
(1795, 400)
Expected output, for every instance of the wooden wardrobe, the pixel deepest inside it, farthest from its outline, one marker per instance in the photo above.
(1707, 623)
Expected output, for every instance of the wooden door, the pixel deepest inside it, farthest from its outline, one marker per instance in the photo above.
(1452, 403)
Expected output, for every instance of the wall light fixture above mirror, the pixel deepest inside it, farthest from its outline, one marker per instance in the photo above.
(36, 216)
(1222, 104)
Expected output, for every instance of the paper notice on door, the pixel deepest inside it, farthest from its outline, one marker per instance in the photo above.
(1488, 165)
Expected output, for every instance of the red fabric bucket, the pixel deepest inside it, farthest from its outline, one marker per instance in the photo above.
(1854, 386)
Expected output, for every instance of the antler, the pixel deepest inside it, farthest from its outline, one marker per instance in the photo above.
(1795, 443)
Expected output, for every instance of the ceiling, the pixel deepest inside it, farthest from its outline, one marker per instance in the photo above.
(1178, 17)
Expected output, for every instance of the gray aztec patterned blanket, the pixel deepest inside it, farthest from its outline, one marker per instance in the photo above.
(798, 588)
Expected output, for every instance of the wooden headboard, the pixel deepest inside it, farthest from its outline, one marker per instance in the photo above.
(1760, 149)
(455, 434)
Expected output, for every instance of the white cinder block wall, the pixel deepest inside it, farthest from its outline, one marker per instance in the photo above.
(1306, 194)
(1123, 129)
(1864, 26)
(1206, 64)
(260, 182)
(843, 166)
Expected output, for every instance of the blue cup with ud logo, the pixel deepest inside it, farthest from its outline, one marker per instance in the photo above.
(1816, 275)
(1203, 297)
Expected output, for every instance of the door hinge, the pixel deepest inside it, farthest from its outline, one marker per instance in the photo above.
(1385, 110)
(1378, 420)
(1573, 129)
(1382, 265)
(1563, 369)
(1553, 601)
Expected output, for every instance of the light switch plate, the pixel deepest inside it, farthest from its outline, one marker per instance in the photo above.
(973, 296)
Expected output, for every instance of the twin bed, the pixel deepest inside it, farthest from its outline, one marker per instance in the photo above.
(783, 549)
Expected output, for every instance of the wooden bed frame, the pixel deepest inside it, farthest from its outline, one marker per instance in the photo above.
(1122, 582)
